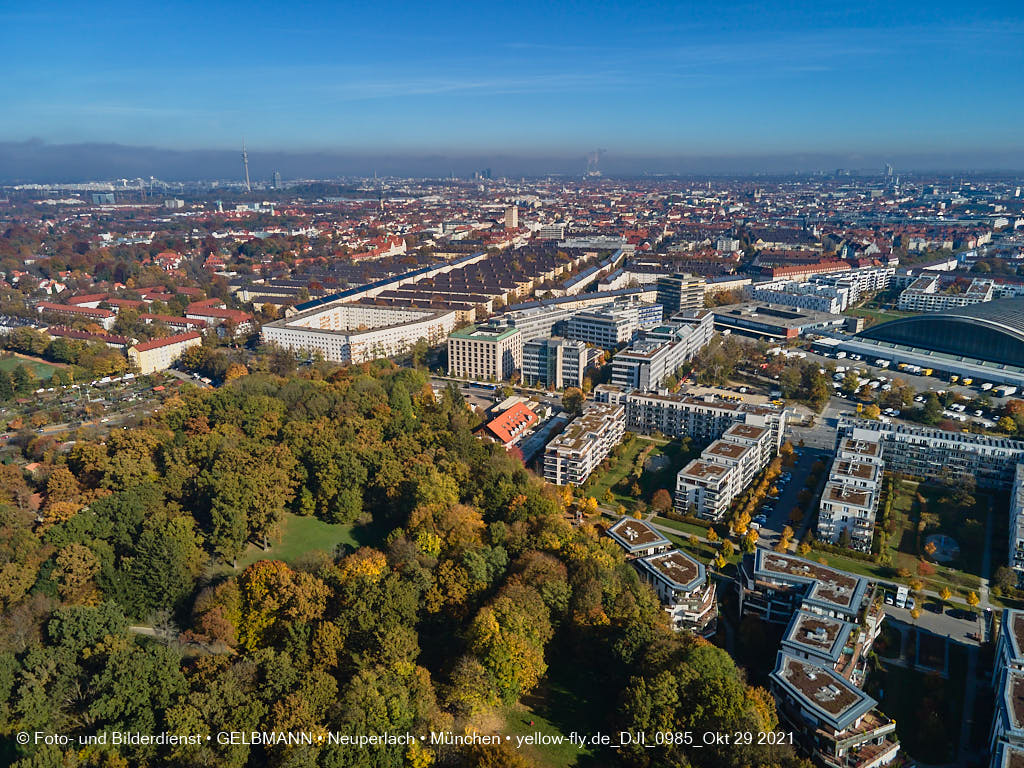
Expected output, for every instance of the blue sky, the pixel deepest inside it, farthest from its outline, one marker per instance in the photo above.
(669, 78)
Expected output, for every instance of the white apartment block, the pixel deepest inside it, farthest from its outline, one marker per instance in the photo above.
(935, 453)
(572, 455)
(860, 282)
(1017, 523)
(357, 333)
(485, 352)
(803, 295)
(684, 589)
(926, 295)
(707, 486)
(702, 418)
(850, 499)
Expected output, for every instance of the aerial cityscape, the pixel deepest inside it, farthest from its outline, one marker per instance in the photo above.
(512, 387)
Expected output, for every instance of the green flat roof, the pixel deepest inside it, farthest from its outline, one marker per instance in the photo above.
(484, 333)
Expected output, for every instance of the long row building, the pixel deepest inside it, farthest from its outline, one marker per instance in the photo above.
(937, 453)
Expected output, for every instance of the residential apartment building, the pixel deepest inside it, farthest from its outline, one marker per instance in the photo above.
(489, 352)
(703, 418)
(554, 362)
(836, 723)
(1006, 740)
(833, 623)
(572, 455)
(774, 585)
(935, 453)
(638, 538)
(930, 294)
(849, 501)
(358, 333)
(805, 295)
(161, 354)
(706, 487)
(680, 293)
(684, 589)
(1017, 523)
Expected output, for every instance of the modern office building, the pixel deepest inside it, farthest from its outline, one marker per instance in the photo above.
(680, 293)
(935, 453)
(489, 352)
(684, 589)
(645, 364)
(612, 326)
(357, 333)
(554, 362)
(572, 455)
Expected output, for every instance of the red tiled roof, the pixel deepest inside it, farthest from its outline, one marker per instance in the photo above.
(166, 341)
(49, 306)
(512, 422)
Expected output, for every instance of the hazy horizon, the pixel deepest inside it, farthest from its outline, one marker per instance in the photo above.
(35, 161)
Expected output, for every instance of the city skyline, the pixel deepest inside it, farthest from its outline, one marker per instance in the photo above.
(656, 81)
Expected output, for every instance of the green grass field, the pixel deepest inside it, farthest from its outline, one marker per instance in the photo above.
(300, 535)
(41, 369)
(675, 457)
(873, 316)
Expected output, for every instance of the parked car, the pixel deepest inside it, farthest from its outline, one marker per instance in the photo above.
(910, 604)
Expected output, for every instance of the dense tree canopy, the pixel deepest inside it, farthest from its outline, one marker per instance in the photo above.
(126, 604)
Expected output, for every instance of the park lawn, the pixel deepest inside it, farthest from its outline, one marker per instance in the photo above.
(604, 480)
(42, 370)
(961, 576)
(300, 535)
(877, 315)
(676, 452)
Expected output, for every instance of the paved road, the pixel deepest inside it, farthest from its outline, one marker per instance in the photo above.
(778, 518)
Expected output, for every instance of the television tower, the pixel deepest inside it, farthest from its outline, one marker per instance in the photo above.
(245, 164)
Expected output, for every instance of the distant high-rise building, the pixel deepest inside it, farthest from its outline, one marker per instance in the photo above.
(680, 293)
(512, 217)
(277, 179)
